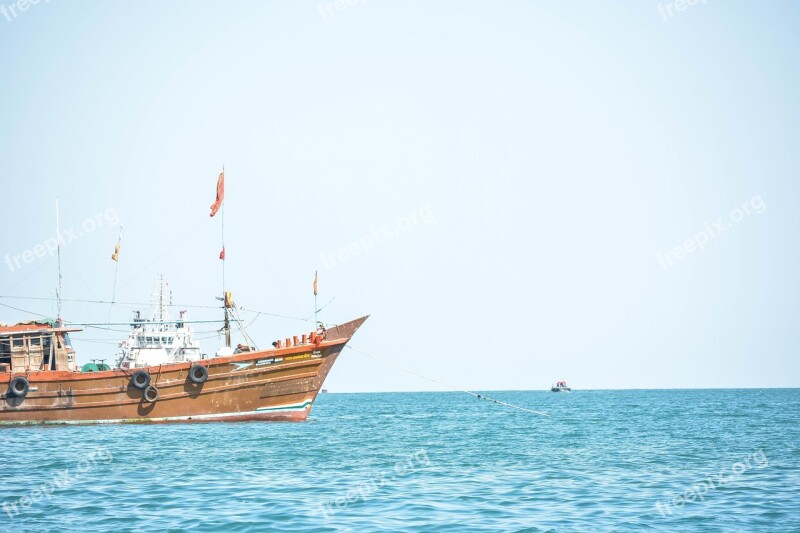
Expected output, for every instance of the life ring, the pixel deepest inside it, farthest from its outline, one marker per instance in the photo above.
(150, 394)
(198, 374)
(18, 387)
(140, 379)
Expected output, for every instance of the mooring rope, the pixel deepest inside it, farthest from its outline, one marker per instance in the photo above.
(434, 380)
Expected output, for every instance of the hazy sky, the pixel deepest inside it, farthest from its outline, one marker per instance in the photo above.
(517, 192)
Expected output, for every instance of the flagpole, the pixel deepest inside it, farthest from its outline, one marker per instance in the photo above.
(223, 237)
(224, 293)
(316, 290)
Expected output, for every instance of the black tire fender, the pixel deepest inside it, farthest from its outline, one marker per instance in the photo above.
(198, 374)
(140, 379)
(150, 394)
(19, 387)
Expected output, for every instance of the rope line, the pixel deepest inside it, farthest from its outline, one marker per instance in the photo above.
(23, 310)
(434, 380)
(145, 304)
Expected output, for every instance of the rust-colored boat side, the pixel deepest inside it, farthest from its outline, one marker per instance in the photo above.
(274, 384)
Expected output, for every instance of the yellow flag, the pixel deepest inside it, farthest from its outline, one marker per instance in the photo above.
(316, 282)
(115, 255)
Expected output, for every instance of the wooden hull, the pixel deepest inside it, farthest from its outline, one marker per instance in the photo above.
(276, 384)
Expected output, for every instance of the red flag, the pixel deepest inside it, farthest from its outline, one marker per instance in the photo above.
(222, 254)
(220, 194)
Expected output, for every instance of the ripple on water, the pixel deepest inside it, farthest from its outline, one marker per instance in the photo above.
(424, 462)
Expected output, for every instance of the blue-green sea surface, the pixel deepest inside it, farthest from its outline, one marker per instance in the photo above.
(672, 460)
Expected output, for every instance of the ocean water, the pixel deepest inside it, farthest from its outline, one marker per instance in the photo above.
(673, 460)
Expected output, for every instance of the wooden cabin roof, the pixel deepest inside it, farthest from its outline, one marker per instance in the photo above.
(33, 328)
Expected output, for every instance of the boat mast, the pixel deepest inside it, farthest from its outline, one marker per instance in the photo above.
(58, 249)
(225, 298)
(316, 289)
(115, 258)
(161, 301)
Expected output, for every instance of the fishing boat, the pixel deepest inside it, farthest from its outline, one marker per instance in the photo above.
(560, 386)
(41, 383)
(161, 374)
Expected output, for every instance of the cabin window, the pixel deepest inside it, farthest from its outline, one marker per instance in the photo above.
(46, 342)
(19, 342)
(35, 341)
(5, 347)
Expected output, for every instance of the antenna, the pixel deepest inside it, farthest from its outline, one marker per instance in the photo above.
(58, 248)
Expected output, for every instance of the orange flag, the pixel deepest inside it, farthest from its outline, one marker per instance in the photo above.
(316, 279)
(115, 255)
(222, 254)
(220, 194)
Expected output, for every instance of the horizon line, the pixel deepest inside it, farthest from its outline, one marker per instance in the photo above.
(573, 390)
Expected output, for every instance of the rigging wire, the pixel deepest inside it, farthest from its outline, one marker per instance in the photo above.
(31, 271)
(147, 322)
(434, 380)
(316, 311)
(179, 241)
(147, 304)
(102, 328)
(24, 310)
(242, 329)
(76, 300)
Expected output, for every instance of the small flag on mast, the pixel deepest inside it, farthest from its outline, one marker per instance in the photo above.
(220, 194)
(115, 255)
(316, 282)
(222, 254)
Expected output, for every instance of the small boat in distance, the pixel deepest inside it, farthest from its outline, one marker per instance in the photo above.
(560, 386)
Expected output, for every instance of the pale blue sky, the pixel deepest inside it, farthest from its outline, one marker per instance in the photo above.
(530, 159)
